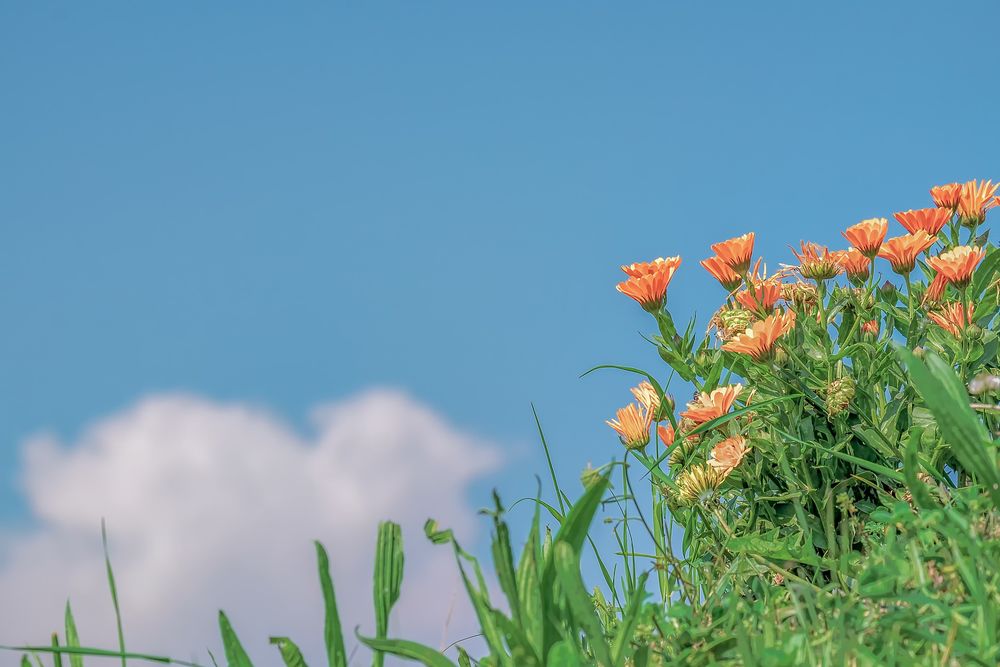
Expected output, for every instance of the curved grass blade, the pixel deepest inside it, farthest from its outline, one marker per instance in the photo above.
(290, 653)
(99, 653)
(407, 649)
(72, 638)
(333, 635)
(236, 656)
(114, 593)
(56, 655)
(548, 459)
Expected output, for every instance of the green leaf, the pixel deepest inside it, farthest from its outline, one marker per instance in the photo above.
(407, 649)
(771, 545)
(72, 638)
(567, 567)
(564, 654)
(948, 400)
(388, 579)
(56, 655)
(236, 656)
(503, 562)
(629, 620)
(333, 635)
(290, 653)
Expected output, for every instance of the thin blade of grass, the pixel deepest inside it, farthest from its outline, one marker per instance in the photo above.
(333, 635)
(72, 638)
(388, 579)
(236, 656)
(114, 594)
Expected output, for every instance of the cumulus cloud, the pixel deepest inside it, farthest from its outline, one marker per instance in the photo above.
(212, 505)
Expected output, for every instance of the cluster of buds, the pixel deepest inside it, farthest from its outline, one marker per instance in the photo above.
(729, 321)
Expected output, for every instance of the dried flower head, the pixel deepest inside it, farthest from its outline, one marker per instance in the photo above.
(930, 220)
(736, 252)
(699, 484)
(758, 340)
(816, 262)
(632, 425)
(804, 296)
(728, 454)
(839, 395)
(946, 196)
(958, 264)
(722, 272)
(731, 320)
(902, 251)
(867, 235)
(709, 406)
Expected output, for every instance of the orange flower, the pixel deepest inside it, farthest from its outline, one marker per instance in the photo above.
(867, 235)
(758, 341)
(946, 196)
(722, 272)
(870, 327)
(902, 251)
(930, 220)
(666, 433)
(632, 425)
(953, 318)
(728, 454)
(816, 261)
(648, 284)
(647, 396)
(855, 264)
(710, 406)
(936, 289)
(736, 252)
(975, 200)
(659, 264)
(957, 264)
(761, 294)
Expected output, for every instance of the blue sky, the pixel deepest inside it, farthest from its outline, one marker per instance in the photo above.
(287, 203)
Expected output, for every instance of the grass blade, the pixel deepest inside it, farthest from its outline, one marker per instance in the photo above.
(333, 635)
(388, 579)
(114, 594)
(72, 638)
(567, 567)
(409, 650)
(236, 656)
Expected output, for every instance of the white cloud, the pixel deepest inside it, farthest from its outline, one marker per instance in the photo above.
(213, 505)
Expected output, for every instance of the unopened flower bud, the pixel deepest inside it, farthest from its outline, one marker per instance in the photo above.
(590, 476)
(888, 290)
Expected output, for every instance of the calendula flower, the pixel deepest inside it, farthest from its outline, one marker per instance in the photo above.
(758, 340)
(632, 425)
(645, 268)
(953, 318)
(699, 484)
(760, 294)
(736, 252)
(728, 454)
(709, 406)
(957, 264)
(666, 433)
(649, 399)
(902, 251)
(816, 262)
(936, 289)
(856, 265)
(648, 282)
(867, 235)
(975, 200)
(930, 220)
(722, 272)
(946, 196)
(870, 327)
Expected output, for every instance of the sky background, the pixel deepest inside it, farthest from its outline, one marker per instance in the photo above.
(275, 207)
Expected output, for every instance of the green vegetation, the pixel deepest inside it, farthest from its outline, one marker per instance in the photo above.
(830, 497)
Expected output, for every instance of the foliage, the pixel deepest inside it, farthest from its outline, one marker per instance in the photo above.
(830, 496)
